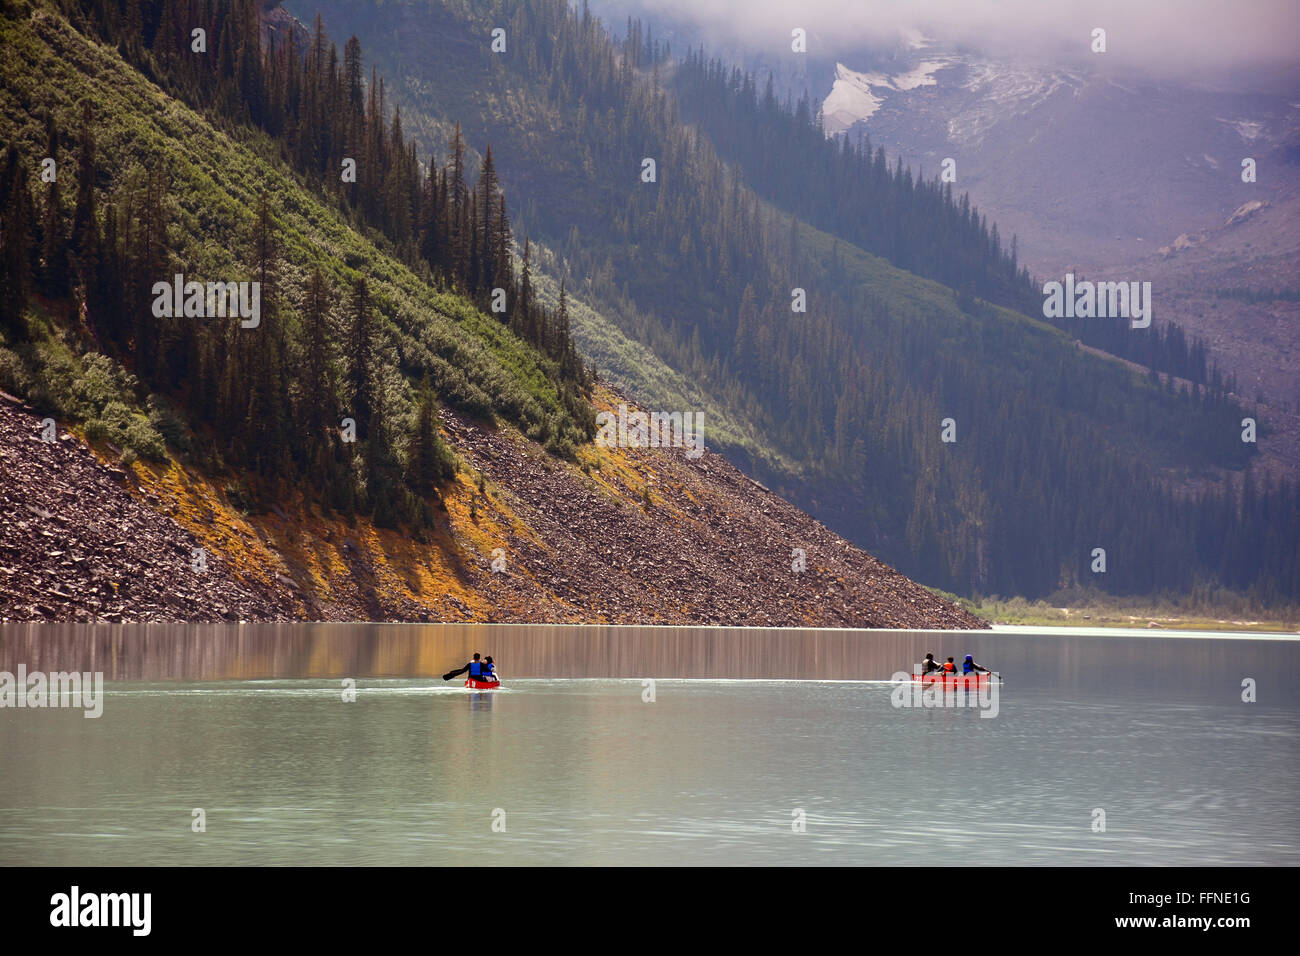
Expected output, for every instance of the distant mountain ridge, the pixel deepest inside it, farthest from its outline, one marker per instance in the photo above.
(1092, 165)
(1118, 177)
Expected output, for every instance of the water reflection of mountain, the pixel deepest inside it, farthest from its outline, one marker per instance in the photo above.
(1111, 663)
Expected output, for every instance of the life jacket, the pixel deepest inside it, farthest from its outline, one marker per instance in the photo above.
(475, 668)
(949, 667)
(967, 667)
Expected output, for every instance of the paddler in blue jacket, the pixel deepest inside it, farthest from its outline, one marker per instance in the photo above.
(970, 667)
(474, 668)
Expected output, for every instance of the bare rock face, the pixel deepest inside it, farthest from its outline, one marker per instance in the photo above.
(1245, 211)
(75, 545)
(711, 547)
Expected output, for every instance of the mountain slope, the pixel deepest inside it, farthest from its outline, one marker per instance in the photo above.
(1059, 450)
(88, 540)
(598, 535)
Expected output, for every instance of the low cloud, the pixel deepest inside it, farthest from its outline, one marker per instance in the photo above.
(1187, 39)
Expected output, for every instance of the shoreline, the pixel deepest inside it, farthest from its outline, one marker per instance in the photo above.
(995, 629)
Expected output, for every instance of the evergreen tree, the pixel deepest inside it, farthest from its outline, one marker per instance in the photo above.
(487, 190)
(458, 203)
(360, 356)
(54, 249)
(16, 222)
(85, 240)
(318, 386)
(262, 350)
(431, 460)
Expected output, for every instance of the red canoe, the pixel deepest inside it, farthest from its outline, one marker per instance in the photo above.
(966, 681)
(475, 684)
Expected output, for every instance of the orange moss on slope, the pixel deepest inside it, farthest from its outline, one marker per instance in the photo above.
(339, 568)
(346, 568)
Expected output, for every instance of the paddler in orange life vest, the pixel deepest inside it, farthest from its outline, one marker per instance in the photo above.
(949, 667)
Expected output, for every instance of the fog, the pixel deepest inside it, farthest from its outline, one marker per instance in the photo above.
(1183, 39)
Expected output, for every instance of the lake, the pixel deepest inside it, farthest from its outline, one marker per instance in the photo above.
(649, 746)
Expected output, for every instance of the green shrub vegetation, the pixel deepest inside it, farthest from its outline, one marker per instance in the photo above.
(373, 298)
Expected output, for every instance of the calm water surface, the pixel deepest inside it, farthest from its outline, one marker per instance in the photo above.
(746, 728)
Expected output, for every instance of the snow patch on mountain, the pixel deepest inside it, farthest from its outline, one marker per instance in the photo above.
(855, 96)
(995, 91)
(1000, 92)
(850, 100)
(1249, 130)
(923, 75)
